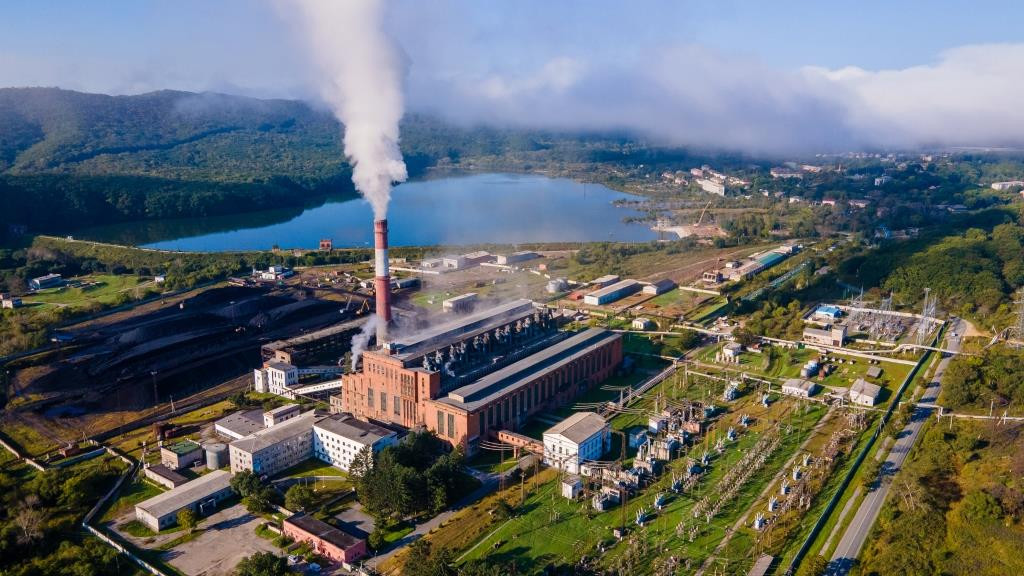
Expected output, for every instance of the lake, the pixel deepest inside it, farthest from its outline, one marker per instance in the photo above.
(477, 209)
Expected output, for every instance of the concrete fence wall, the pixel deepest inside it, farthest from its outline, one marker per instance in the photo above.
(10, 448)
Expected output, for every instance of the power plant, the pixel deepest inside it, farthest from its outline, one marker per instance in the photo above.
(491, 370)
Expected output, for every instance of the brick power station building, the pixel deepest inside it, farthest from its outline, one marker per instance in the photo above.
(488, 371)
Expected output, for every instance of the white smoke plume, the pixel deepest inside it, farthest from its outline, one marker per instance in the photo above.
(362, 83)
(361, 340)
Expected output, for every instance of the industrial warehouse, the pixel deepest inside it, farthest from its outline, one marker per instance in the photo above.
(485, 371)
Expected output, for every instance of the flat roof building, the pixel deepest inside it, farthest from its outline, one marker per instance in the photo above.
(580, 437)
(480, 373)
(799, 388)
(200, 495)
(280, 414)
(606, 280)
(827, 336)
(181, 454)
(745, 270)
(338, 439)
(610, 294)
(460, 303)
(238, 425)
(275, 378)
(164, 476)
(641, 324)
(507, 398)
(516, 257)
(334, 543)
(274, 449)
(732, 349)
(827, 313)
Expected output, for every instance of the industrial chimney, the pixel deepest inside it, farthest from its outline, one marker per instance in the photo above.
(382, 279)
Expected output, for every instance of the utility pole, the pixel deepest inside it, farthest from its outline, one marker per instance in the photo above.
(156, 396)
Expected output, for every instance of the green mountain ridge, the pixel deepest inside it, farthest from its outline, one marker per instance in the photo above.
(95, 159)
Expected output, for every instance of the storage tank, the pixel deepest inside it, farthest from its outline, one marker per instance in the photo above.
(217, 455)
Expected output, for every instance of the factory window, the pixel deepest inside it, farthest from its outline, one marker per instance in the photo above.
(369, 397)
(480, 424)
(383, 401)
(515, 405)
(451, 426)
(490, 415)
(504, 404)
(440, 422)
(398, 406)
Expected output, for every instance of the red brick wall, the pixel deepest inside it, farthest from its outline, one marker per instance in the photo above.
(326, 549)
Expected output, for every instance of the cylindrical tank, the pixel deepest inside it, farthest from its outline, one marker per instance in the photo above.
(216, 455)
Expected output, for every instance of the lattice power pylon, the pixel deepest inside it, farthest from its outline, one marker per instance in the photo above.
(1018, 329)
(927, 317)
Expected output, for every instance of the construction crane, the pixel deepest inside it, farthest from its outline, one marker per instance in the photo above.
(702, 212)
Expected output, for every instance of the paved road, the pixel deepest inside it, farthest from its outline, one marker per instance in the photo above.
(856, 534)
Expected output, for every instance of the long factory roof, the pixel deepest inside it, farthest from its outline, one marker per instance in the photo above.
(199, 489)
(514, 376)
(614, 288)
(442, 335)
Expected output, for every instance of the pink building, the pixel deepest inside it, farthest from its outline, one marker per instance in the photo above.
(326, 540)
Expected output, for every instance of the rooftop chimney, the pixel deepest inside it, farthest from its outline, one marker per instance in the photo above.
(382, 279)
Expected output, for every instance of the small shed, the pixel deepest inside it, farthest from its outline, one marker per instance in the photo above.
(874, 372)
(572, 485)
(642, 324)
(732, 350)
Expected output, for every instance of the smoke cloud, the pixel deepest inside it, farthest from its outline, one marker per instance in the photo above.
(362, 83)
(362, 340)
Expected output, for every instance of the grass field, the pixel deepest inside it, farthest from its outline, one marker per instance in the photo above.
(101, 289)
(787, 362)
(551, 529)
(312, 467)
(131, 494)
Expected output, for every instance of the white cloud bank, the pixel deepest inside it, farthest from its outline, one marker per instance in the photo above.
(688, 95)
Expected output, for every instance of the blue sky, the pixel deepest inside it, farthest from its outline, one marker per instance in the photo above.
(733, 73)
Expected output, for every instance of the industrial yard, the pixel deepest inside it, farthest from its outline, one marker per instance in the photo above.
(714, 455)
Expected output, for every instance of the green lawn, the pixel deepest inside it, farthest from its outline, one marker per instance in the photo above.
(551, 528)
(490, 461)
(395, 533)
(99, 288)
(787, 362)
(130, 495)
(312, 467)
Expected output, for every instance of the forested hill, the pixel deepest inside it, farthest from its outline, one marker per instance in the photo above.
(95, 159)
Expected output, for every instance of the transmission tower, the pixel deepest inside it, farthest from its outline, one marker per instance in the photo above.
(927, 315)
(1018, 329)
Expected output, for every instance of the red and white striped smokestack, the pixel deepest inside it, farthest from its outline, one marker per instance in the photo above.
(382, 278)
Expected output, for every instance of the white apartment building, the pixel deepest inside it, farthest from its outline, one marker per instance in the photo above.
(274, 449)
(337, 440)
(712, 186)
(275, 378)
(580, 437)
